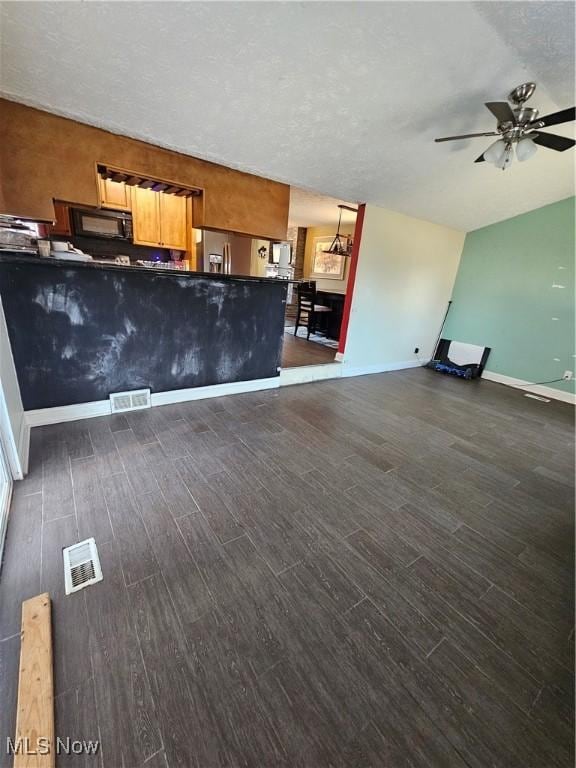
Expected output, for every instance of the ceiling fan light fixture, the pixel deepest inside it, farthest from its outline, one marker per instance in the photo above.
(525, 149)
(496, 152)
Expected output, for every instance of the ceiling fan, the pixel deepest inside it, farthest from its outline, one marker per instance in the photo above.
(519, 126)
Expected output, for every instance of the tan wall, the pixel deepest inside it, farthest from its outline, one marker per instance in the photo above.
(43, 157)
(323, 284)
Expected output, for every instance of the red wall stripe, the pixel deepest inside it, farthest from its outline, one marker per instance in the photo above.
(351, 278)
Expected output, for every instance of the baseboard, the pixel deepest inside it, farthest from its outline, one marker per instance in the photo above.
(363, 370)
(42, 416)
(216, 390)
(305, 374)
(526, 386)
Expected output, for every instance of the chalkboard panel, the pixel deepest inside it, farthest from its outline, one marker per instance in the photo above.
(79, 332)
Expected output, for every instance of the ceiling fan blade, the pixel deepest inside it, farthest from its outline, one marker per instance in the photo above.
(564, 116)
(502, 111)
(480, 159)
(552, 141)
(467, 136)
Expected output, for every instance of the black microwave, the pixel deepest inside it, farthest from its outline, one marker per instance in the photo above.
(98, 222)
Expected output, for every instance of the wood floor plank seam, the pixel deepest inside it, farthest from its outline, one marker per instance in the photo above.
(442, 639)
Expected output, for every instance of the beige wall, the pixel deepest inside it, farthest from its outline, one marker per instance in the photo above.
(404, 279)
(330, 231)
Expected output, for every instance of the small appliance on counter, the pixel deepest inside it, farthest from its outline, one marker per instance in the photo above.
(67, 252)
(17, 235)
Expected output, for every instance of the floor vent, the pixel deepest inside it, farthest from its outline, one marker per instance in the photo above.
(81, 566)
(130, 401)
(536, 397)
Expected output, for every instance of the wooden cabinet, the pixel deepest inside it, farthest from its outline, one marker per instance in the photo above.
(62, 225)
(159, 219)
(173, 221)
(113, 194)
(146, 217)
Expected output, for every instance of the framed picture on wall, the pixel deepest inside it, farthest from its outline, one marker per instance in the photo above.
(327, 266)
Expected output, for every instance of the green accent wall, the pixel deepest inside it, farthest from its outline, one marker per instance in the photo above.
(505, 296)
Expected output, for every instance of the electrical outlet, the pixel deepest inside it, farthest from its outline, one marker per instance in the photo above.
(568, 375)
(416, 350)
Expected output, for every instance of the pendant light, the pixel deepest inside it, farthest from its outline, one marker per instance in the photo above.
(338, 247)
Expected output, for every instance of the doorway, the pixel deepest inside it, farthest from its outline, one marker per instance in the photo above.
(320, 232)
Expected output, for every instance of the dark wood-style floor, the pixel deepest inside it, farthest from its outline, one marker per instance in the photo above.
(368, 572)
(297, 352)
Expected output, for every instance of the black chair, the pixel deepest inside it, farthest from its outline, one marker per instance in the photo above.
(308, 311)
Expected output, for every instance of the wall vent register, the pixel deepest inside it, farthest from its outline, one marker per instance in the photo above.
(130, 401)
(81, 566)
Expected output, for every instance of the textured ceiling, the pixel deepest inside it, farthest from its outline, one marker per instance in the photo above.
(344, 98)
(308, 209)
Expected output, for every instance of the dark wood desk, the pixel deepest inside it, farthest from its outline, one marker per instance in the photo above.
(334, 300)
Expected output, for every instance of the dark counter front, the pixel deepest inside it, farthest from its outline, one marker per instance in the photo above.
(82, 331)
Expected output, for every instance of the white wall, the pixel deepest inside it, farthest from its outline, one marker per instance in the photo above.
(404, 278)
(13, 433)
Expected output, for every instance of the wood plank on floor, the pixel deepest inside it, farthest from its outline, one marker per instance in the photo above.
(35, 714)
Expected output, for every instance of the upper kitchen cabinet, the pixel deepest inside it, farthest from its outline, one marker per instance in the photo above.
(113, 194)
(159, 219)
(145, 217)
(61, 225)
(173, 221)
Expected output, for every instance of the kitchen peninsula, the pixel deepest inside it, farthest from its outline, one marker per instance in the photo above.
(80, 331)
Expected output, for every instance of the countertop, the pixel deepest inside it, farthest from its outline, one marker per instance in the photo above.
(52, 263)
